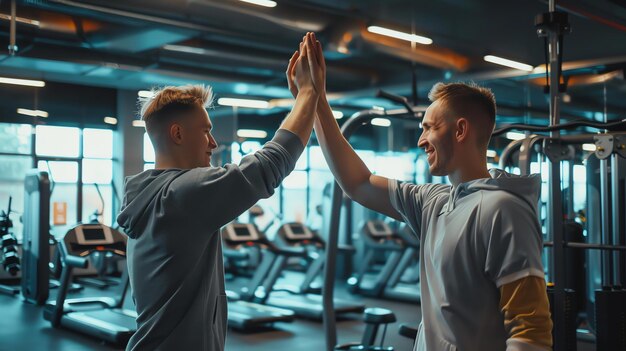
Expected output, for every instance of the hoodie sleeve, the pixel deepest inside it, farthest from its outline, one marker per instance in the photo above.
(410, 200)
(513, 240)
(216, 196)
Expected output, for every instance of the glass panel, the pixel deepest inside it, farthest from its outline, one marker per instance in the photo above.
(93, 203)
(56, 141)
(248, 147)
(97, 171)
(15, 138)
(98, 143)
(147, 166)
(294, 197)
(319, 195)
(13, 168)
(64, 193)
(317, 160)
(148, 150)
(60, 171)
(303, 160)
(394, 165)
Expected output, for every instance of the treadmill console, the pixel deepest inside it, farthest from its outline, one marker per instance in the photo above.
(379, 229)
(85, 239)
(241, 232)
(297, 231)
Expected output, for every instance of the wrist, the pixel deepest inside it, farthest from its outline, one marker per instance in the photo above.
(307, 92)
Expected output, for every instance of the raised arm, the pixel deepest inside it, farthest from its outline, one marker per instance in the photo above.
(303, 66)
(356, 180)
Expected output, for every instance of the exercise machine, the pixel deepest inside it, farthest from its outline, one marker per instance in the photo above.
(243, 312)
(103, 318)
(298, 239)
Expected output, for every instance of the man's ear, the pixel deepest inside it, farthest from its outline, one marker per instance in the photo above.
(462, 130)
(176, 133)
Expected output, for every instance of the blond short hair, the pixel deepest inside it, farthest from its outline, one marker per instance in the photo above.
(168, 105)
(468, 100)
(187, 95)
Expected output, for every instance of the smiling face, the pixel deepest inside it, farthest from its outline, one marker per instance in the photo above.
(197, 143)
(438, 140)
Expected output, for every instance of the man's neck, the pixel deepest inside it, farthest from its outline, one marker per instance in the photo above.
(167, 162)
(469, 173)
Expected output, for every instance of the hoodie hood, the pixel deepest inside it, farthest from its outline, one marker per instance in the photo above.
(525, 187)
(139, 193)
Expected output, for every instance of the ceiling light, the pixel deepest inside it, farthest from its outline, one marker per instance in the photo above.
(508, 63)
(185, 49)
(589, 147)
(110, 120)
(26, 82)
(20, 20)
(33, 113)
(139, 123)
(243, 103)
(264, 3)
(515, 136)
(337, 114)
(145, 94)
(491, 153)
(381, 122)
(400, 35)
(251, 133)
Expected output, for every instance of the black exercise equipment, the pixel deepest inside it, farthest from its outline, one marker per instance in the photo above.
(8, 247)
(35, 247)
(373, 318)
(401, 248)
(103, 318)
(243, 312)
(297, 239)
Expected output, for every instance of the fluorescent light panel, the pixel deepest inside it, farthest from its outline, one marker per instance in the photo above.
(381, 122)
(491, 153)
(515, 136)
(337, 114)
(589, 147)
(264, 3)
(26, 82)
(145, 93)
(508, 63)
(33, 113)
(139, 123)
(243, 103)
(185, 49)
(251, 133)
(400, 35)
(110, 120)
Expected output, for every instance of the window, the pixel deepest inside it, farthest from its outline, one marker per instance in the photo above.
(148, 153)
(57, 141)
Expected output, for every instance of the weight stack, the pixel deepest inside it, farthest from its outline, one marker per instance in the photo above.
(610, 319)
(570, 314)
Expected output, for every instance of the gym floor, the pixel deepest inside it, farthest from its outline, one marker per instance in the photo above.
(22, 327)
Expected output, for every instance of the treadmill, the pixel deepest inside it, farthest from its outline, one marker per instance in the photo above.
(103, 318)
(399, 286)
(299, 238)
(377, 238)
(244, 313)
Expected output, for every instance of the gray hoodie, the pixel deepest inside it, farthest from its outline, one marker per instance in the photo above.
(172, 218)
(474, 238)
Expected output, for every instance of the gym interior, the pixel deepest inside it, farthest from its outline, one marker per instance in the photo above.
(71, 74)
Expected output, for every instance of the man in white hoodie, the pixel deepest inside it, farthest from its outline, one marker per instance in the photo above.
(482, 281)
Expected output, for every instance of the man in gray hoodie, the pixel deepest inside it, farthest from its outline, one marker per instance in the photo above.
(173, 214)
(482, 281)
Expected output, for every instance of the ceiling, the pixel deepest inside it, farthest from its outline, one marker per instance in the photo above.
(242, 49)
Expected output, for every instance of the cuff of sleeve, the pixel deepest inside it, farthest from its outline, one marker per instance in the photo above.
(519, 275)
(521, 345)
(290, 141)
